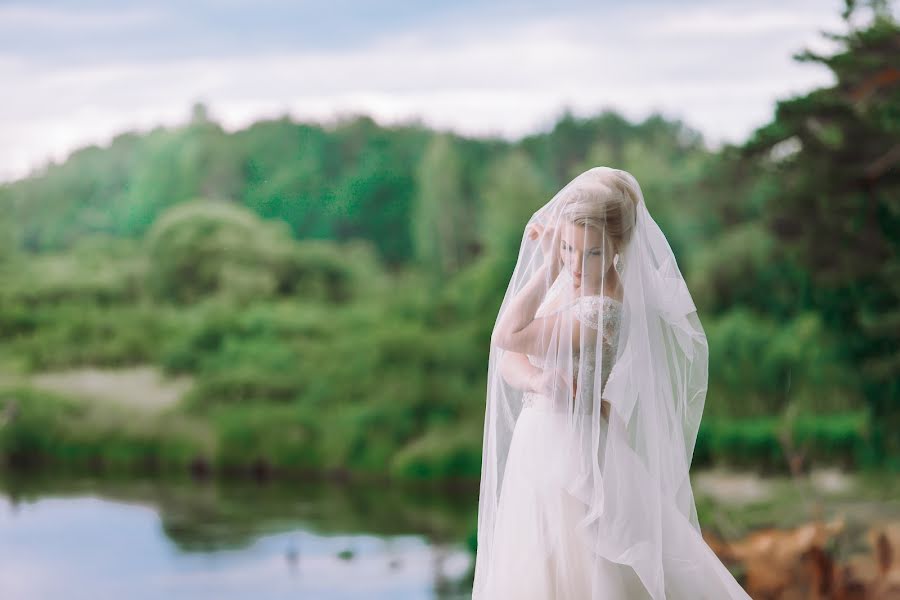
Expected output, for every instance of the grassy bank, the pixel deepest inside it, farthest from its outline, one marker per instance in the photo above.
(43, 429)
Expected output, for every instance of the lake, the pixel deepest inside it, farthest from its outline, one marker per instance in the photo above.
(90, 538)
(73, 537)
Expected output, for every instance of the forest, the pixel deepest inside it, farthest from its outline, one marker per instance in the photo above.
(328, 290)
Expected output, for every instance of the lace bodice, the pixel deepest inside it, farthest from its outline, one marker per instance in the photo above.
(595, 311)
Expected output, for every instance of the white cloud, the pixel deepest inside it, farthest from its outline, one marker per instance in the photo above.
(474, 80)
(734, 21)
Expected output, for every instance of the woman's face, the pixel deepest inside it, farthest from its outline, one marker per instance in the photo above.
(584, 256)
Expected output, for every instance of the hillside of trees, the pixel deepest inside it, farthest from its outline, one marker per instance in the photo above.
(331, 288)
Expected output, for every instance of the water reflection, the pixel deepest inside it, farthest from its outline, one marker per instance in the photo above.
(89, 538)
(64, 537)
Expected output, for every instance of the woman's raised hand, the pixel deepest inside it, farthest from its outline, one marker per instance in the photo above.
(548, 239)
(545, 234)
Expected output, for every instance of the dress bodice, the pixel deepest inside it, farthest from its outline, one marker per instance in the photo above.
(597, 312)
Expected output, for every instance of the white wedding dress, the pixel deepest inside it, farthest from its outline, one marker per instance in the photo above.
(575, 504)
(538, 555)
(528, 532)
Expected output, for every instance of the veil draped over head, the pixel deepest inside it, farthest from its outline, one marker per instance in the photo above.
(617, 370)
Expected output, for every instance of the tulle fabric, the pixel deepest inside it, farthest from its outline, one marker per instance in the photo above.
(537, 554)
(578, 502)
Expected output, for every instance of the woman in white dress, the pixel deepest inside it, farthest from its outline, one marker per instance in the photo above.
(596, 384)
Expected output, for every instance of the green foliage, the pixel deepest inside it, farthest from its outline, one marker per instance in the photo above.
(326, 271)
(356, 181)
(269, 352)
(50, 428)
(438, 218)
(792, 364)
(75, 335)
(514, 189)
(202, 248)
(199, 160)
(837, 212)
(733, 269)
(99, 271)
(283, 437)
(760, 442)
(332, 290)
(441, 453)
(36, 431)
(362, 437)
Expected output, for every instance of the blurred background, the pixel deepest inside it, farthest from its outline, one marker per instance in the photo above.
(251, 255)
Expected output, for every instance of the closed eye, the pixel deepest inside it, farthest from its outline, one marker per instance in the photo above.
(594, 252)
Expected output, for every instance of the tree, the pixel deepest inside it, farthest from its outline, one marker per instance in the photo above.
(203, 248)
(438, 216)
(514, 190)
(836, 153)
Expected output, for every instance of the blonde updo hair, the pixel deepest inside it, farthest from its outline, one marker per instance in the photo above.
(606, 198)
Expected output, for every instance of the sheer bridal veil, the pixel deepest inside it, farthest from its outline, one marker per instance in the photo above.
(618, 362)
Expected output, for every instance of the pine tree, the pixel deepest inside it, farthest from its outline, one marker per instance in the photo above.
(836, 153)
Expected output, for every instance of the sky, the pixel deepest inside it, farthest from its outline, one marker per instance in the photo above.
(80, 73)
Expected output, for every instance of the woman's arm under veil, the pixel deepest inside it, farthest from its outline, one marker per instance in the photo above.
(518, 329)
(521, 374)
(518, 371)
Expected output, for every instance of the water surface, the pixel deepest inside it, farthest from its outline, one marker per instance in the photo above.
(89, 538)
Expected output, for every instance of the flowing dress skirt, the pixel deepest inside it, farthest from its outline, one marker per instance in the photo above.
(537, 554)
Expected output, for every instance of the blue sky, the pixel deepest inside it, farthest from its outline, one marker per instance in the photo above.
(79, 73)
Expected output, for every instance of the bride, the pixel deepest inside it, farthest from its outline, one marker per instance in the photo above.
(596, 384)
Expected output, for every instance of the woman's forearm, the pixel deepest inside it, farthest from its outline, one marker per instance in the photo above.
(523, 306)
(518, 371)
